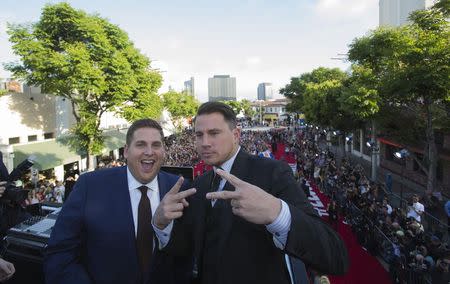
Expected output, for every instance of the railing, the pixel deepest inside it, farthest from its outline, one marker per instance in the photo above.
(431, 224)
(377, 242)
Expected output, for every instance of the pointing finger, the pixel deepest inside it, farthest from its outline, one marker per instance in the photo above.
(224, 194)
(182, 195)
(176, 188)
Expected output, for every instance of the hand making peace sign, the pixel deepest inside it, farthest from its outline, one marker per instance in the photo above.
(248, 201)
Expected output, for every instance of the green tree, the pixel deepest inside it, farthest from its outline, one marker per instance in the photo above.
(411, 64)
(235, 105)
(243, 106)
(247, 109)
(318, 95)
(181, 106)
(89, 61)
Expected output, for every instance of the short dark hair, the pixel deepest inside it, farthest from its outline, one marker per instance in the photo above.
(224, 109)
(143, 123)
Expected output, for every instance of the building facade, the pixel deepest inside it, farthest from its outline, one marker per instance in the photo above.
(189, 87)
(395, 13)
(265, 91)
(221, 88)
(37, 125)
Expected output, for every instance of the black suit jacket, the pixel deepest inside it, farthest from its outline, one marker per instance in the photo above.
(247, 253)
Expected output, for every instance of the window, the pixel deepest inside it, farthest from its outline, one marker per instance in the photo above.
(32, 138)
(14, 140)
(49, 135)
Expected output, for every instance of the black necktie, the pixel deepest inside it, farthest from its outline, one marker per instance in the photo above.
(144, 237)
(215, 182)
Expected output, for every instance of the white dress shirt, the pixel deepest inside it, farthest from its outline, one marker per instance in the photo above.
(135, 197)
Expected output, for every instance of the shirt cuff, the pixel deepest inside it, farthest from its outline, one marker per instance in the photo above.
(281, 226)
(163, 235)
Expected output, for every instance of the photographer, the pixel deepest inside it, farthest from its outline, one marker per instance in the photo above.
(6, 268)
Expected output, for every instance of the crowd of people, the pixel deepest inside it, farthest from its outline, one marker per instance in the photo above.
(396, 234)
(413, 254)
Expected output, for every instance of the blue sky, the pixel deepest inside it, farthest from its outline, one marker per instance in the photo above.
(252, 40)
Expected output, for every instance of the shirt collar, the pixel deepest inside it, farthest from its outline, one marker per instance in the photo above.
(133, 183)
(226, 166)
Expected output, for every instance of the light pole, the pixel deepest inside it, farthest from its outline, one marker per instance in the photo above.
(260, 112)
(402, 155)
(372, 144)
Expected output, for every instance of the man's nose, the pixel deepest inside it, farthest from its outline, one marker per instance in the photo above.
(148, 151)
(205, 141)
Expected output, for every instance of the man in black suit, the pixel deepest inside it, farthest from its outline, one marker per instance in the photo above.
(247, 215)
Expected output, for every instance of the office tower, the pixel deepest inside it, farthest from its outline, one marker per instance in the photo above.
(221, 88)
(265, 91)
(189, 87)
(395, 13)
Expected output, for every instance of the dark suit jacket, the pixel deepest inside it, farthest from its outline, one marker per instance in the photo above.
(247, 251)
(94, 241)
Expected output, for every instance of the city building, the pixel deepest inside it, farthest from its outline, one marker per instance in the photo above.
(395, 13)
(265, 91)
(37, 124)
(270, 111)
(221, 88)
(189, 87)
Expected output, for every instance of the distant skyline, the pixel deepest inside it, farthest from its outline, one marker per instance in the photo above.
(252, 40)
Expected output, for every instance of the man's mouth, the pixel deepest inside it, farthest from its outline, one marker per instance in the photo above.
(147, 165)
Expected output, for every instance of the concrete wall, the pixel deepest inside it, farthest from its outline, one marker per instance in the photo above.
(25, 114)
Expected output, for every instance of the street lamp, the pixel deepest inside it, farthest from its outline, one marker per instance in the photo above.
(260, 112)
(372, 144)
(402, 154)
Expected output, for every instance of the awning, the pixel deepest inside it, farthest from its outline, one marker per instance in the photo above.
(270, 116)
(48, 154)
(56, 152)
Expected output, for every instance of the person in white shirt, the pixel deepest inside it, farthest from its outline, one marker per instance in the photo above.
(416, 210)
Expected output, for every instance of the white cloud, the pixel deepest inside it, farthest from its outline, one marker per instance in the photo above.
(345, 8)
(253, 60)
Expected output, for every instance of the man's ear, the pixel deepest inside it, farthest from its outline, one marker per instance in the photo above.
(237, 134)
(125, 151)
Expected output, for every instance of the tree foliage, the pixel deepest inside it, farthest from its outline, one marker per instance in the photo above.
(89, 61)
(319, 94)
(409, 69)
(243, 106)
(180, 105)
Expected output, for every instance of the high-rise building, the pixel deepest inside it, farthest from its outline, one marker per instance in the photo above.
(189, 87)
(265, 91)
(395, 13)
(221, 88)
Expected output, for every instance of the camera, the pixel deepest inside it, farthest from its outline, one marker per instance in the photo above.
(12, 192)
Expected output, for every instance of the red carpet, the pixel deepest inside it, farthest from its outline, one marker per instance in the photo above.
(364, 268)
